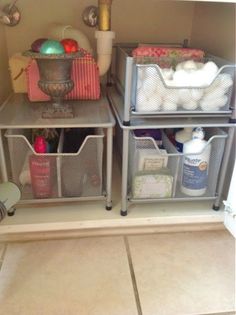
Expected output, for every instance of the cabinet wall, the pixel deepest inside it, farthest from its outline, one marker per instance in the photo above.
(132, 20)
(5, 86)
(214, 29)
(206, 24)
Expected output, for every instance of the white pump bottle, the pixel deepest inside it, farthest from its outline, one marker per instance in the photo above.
(196, 165)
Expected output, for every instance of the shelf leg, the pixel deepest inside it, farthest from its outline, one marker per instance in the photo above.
(3, 160)
(224, 167)
(109, 168)
(124, 183)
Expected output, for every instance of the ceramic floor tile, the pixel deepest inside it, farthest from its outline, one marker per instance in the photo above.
(68, 277)
(184, 273)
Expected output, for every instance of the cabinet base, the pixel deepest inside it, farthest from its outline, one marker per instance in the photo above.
(216, 208)
(123, 213)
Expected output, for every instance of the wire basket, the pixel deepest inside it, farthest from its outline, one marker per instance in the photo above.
(146, 161)
(166, 91)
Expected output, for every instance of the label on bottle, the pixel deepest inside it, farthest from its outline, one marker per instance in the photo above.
(195, 173)
(179, 146)
(40, 169)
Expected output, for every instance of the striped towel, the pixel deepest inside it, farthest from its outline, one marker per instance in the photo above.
(85, 75)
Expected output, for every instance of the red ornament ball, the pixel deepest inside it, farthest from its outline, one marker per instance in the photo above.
(36, 45)
(70, 45)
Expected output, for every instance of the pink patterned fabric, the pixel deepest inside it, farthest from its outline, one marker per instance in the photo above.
(167, 52)
(85, 75)
(166, 56)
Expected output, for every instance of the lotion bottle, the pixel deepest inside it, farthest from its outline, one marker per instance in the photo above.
(195, 166)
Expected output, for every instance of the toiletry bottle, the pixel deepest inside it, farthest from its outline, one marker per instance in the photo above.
(195, 166)
(41, 170)
(181, 137)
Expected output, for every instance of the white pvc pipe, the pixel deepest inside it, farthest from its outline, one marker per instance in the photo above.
(59, 32)
(104, 43)
(104, 50)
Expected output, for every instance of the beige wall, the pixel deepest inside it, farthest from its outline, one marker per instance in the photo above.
(5, 85)
(132, 20)
(151, 20)
(214, 29)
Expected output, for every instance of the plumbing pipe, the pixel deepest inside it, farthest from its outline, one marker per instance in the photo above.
(104, 50)
(104, 43)
(59, 32)
(104, 36)
(104, 15)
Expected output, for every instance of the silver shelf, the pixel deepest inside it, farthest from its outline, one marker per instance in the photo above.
(165, 121)
(19, 112)
(116, 100)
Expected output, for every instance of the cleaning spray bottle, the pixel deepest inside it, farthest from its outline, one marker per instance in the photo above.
(196, 166)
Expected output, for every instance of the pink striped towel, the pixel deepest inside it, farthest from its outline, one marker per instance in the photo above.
(85, 75)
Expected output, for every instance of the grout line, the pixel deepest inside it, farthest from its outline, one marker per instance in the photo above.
(3, 255)
(134, 282)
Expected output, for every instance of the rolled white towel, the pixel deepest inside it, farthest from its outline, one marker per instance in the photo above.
(167, 73)
(169, 106)
(141, 100)
(196, 94)
(189, 65)
(191, 105)
(149, 86)
(210, 70)
(196, 78)
(225, 80)
(179, 66)
(190, 96)
(181, 78)
(213, 105)
(215, 84)
(172, 96)
(147, 104)
(199, 65)
(161, 90)
(184, 95)
(211, 67)
(153, 104)
(214, 94)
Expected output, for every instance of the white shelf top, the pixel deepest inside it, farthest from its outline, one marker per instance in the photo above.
(19, 112)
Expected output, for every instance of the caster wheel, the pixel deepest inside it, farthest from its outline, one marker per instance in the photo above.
(123, 213)
(216, 208)
(108, 208)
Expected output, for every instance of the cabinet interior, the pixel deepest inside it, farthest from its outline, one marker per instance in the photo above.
(207, 25)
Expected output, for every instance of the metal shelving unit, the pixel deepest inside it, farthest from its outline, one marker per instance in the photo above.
(18, 114)
(120, 95)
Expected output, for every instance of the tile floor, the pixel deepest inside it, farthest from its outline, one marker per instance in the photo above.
(160, 274)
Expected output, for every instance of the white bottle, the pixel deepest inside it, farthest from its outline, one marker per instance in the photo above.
(181, 137)
(196, 166)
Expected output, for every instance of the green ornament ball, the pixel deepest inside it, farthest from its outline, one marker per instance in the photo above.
(52, 47)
